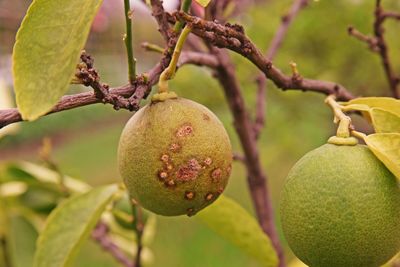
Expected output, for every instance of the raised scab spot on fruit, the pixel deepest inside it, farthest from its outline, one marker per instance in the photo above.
(174, 147)
(170, 183)
(216, 175)
(208, 161)
(162, 175)
(209, 196)
(165, 158)
(188, 172)
(184, 130)
(189, 195)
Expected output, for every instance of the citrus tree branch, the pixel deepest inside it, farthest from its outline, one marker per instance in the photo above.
(287, 20)
(233, 37)
(128, 42)
(161, 18)
(393, 80)
(275, 44)
(257, 179)
(100, 235)
(227, 36)
(378, 44)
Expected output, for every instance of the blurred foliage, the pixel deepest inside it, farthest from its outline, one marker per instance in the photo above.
(86, 138)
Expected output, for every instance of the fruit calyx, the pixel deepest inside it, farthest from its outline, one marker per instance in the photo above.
(343, 141)
(160, 97)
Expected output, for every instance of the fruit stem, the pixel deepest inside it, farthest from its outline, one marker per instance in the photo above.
(185, 8)
(169, 72)
(344, 121)
(358, 134)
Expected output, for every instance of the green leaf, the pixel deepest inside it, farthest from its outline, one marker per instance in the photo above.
(235, 224)
(386, 147)
(46, 51)
(22, 239)
(46, 175)
(68, 226)
(385, 121)
(203, 3)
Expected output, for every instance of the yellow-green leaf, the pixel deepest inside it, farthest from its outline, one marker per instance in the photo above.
(46, 51)
(386, 147)
(203, 3)
(385, 103)
(235, 224)
(68, 226)
(385, 121)
(22, 240)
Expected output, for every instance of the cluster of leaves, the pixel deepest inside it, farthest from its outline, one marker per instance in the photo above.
(384, 114)
(62, 211)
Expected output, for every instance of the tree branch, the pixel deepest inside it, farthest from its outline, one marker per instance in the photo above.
(225, 74)
(275, 44)
(99, 234)
(383, 49)
(161, 18)
(283, 28)
(233, 37)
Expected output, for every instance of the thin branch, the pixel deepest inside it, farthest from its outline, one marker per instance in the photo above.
(259, 122)
(138, 226)
(239, 157)
(128, 42)
(184, 8)
(226, 76)
(136, 92)
(152, 47)
(390, 14)
(383, 50)
(287, 20)
(99, 234)
(161, 17)
(229, 36)
(371, 41)
(197, 58)
(233, 37)
(275, 44)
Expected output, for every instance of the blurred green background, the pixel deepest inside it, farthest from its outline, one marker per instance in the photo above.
(85, 139)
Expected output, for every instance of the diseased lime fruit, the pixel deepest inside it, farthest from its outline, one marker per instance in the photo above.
(341, 208)
(175, 157)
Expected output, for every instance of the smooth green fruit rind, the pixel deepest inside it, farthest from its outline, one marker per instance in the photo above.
(175, 157)
(340, 208)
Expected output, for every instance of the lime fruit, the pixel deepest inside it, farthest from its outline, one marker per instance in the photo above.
(175, 157)
(340, 207)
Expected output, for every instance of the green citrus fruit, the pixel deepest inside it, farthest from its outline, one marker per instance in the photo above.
(340, 207)
(175, 157)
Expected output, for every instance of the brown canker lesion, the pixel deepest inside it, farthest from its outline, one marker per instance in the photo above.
(209, 196)
(184, 130)
(189, 195)
(216, 175)
(189, 171)
(175, 147)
